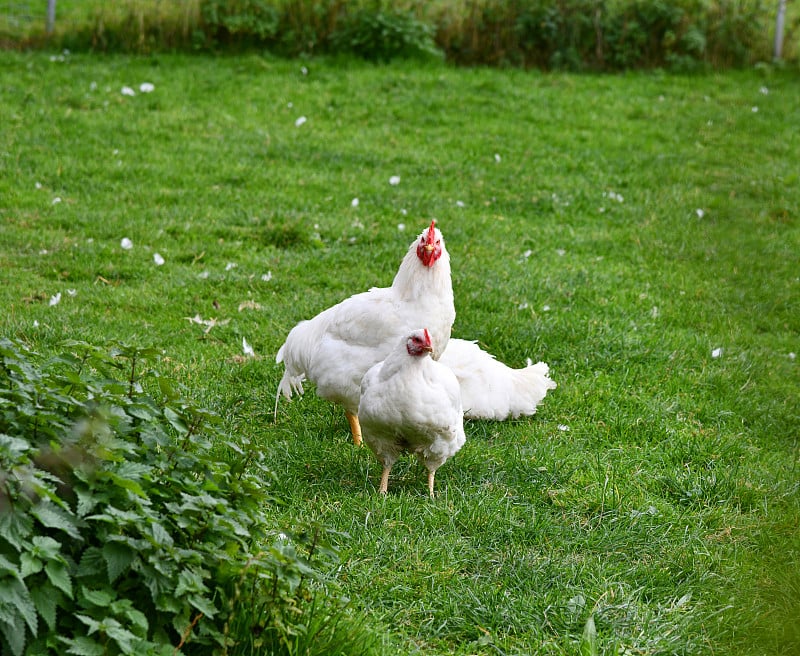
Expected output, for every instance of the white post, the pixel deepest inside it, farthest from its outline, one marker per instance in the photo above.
(51, 16)
(777, 49)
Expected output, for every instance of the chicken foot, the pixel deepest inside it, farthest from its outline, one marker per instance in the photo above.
(431, 474)
(355, 427)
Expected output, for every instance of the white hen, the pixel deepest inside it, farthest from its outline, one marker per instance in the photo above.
(410, 402)
(336, 348)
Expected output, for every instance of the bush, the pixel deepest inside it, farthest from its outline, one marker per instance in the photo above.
(732, 28)
(378, 33)
(375, 32)
(247, 21)
(603, 34)
(120, 532)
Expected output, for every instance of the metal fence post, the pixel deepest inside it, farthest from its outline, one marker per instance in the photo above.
(777, 49)
(51, 16)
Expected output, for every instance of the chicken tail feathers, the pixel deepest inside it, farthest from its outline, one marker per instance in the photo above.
(490, 389)
(288, 387)
(293, 372)
(531, 385)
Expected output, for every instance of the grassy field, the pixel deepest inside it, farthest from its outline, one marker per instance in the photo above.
(639, 233)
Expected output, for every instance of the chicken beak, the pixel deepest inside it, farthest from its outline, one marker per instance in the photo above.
(429, 248)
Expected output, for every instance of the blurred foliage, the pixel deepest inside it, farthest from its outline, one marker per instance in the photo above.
(566, 34)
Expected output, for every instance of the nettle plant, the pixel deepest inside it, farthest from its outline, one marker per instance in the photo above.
(121, 531)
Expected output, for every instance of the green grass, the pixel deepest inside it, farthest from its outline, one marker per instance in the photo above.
(667, 513)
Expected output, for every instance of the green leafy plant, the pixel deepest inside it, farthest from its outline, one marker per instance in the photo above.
(242, 20)
(120, 532)
(603, 35)
(379, 33)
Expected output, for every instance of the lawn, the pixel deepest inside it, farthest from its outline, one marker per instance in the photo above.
(637, 232)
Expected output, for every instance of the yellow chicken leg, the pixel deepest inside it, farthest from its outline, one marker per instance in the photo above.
(355, 427)
(431, 474)
(384, 488)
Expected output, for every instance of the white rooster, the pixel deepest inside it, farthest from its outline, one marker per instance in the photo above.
(410, 402)
(337, 347)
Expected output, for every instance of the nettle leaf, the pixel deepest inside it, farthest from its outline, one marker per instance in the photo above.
(233, 446)
(14, 633)
(236, 527)
(128, 484)
(87, 501)
(116, 517)
(141, 411)
(135, 471)
(29, 564)
(165, 567)
(92, 563)
(138, 619)
(126, 640)
(52, 516)
(92, 624)
(45, 598)
(40, 646)
(176, 421)
(168, 388)
(46, 547)
(161, 536)
(101, 598)
(84, 646)
(7, 567)
(190, 580)
(44, 485)
(155, 437)
(118, 558)
(124, 608)
(14, 593)
(59, 576)
(168, 603)
(204, 605)
(13, 448)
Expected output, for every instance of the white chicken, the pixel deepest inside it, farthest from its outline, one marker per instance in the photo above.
(336, 348)
(410, 402)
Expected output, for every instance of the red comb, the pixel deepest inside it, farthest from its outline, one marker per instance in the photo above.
(427, 337)
(432, 233)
